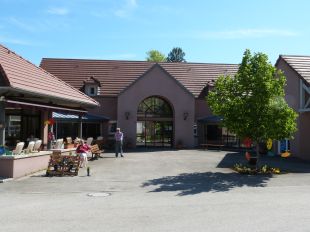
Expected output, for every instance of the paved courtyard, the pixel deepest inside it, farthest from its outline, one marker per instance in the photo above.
(187, 190)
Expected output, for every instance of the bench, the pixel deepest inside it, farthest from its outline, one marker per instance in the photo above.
(95, 151)
(207, 145)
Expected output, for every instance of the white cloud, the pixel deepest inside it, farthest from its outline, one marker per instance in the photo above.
(245, 33)
(7, 40)
(58, 11)
(125, 10)
(16, 22)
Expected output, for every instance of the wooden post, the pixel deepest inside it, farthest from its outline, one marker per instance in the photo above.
(80, 127)
(301, 95)
(2, 123)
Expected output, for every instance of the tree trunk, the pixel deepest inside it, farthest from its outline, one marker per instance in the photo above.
(257, 155)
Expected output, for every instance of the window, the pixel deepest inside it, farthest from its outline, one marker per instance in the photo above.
(112, 127)
(91, 90)
(154, 107)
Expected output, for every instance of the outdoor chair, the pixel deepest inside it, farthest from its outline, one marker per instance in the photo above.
(89, 141)
(59, 143)
(95, 151)
(77, 139)
(100, 141)
(69, 140)
(37, 145)
(30, 147)
(19, 148)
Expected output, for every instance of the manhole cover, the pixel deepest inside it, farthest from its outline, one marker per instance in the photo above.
(98, 194)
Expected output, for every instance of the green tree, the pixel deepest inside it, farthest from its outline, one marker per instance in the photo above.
(155, 56)
(252, 102)
(176, 55)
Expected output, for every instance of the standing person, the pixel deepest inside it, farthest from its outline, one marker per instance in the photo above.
(118, 142)
(82, 150)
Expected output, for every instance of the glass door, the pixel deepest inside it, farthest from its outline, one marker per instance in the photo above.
(154, 133)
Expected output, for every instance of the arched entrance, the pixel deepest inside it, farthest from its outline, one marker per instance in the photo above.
(154, 123)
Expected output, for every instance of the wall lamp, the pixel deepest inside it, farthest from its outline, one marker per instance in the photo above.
(127, 114)
(185, 115)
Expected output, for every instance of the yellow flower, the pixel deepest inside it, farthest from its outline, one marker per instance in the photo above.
(269, 144)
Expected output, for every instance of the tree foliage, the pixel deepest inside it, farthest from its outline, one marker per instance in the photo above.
(176, 55)
(155, 56)
(252, 102)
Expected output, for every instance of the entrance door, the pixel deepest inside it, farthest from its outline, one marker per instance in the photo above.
(154, 133)
(155, 123)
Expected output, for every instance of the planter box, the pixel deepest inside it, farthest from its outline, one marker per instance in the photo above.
(22, 165)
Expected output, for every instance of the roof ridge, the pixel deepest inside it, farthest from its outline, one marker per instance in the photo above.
(132, 61)
(295, 55)
(51, 75)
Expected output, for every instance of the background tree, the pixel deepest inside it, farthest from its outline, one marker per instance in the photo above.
(176, 55)
(252, 102)
(155, 56)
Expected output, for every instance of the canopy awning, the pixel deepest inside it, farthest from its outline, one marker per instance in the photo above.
(211, 119)
(74, 118)
(45, 106)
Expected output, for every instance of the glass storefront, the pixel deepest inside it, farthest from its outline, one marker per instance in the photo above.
(71, 129)
(215, 134)
(22, 125)
(154, 123)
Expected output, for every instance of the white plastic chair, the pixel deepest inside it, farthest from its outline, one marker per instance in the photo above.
(37, 145)
(77, 139)
(30, 147)
(59, 143)
(69, 140)
(19, 148)
(89, 141)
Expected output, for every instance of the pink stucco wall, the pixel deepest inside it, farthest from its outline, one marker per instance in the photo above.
(14, 167)
(300, 146)
(202, 109)
(158, 83)
(108, 107)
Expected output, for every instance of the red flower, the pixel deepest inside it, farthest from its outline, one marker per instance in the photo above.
(247, 142)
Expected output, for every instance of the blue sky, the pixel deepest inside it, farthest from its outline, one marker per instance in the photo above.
(211, 31)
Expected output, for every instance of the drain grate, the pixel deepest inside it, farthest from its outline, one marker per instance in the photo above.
(100, 194)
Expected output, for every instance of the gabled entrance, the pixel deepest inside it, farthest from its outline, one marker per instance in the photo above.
(154, 123)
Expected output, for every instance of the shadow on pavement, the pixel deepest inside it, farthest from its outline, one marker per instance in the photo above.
(195, 183)
(290, 164)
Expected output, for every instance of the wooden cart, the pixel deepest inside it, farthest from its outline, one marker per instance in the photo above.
(60, 165)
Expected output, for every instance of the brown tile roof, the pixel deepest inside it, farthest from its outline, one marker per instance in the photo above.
(301, 64)
(115, 76)
(25, 76)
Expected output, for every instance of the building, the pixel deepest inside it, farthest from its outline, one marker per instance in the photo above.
(155, 104)
(297, 94)
(29, 95)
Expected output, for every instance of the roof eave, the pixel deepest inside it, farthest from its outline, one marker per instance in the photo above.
(291, 67)
(83, 104)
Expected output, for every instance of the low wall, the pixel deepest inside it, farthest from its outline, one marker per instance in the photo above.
(22, 165)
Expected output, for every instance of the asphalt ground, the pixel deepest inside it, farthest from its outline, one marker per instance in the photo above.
(186, 190)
